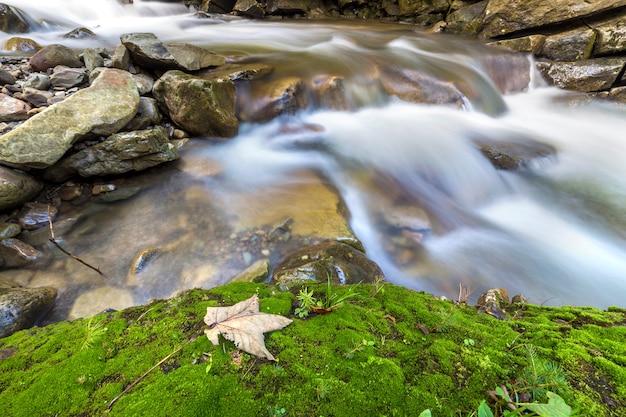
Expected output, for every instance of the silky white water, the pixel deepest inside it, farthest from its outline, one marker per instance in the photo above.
(555, 232)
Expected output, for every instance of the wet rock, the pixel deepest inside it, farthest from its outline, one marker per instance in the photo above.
(569, 46)
(20, 308)
(16, 253)
(149, 52)
(9, 230)
(37, 98)
(509, 72)
(35, 215)
(329, 92)
(532, 44)
(52, 55)
(343, 263)
(37, 81)
(611, 37)
(494, 302)
(12, 19)
(16, 188)
(412, 7)
(272, 99)
(217, 6)
(61, 226)
(587, 75)
(418, 87)
(12, 109)
(119, 153)
(237, 72)
(514, 155)
(99, 300)
(66, 77)
(45, 137)
(467, 19)
(144, 83)
(79, 33)
(249, 8)
(6, 77)
(147, 114)
(118, 193)
(19, 44)
(201, 107)
(92, 59)
(140, 262)
(291, 7)
(257, 272)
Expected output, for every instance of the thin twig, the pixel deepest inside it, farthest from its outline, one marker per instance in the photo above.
(55, 243)
(138, 380)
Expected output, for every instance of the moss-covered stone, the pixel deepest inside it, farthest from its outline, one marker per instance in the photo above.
(390, 351)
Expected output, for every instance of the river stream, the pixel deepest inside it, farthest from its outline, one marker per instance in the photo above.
(555, 231)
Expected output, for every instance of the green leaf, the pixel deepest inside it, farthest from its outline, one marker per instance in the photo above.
(556, 407)
(425, 413)
(484, 410)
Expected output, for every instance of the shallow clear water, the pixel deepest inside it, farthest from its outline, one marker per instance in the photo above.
(555, 232)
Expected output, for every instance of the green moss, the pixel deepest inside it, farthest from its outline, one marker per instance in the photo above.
(393, 353)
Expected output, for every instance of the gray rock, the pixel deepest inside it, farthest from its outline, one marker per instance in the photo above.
(79, 33)
(37, 81)
(12, 109)
(611, 37)
(6, 77)
(532, 44)
(121, 58)
(467, 19)
(149, 52)
(19, 44)
(101, 109)
(16, 253)
(271, 99)
(249, 8)
(503, 17)
(36, 215)
(66, 77)
(588, 75)
(9, 230)
(52, 55)
(201, 107)
(20, 308)
(573, 45)
(237, 72)
(144, 83)
(37, 98)
(92, 59)
(120, 153)
(147, 114)
(16, 188)
(514, 155)
(418, 87)
(339, 261)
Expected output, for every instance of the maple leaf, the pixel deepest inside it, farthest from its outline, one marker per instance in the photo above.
(244, 325)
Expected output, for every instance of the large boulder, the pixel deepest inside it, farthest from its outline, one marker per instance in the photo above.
(101, 109)
(199, 106)
(52, 55)
(119, 153)
(12, 19)
(271, 99)
(419, 87)
(21, 307)
(149, 52)
(16, 188)
(503, 17)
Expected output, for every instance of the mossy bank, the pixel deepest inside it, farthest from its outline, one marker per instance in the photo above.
(388, 352)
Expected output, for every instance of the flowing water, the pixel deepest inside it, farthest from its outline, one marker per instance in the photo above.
(555, 232)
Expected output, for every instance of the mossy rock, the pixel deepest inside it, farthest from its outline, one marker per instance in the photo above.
(390, 351)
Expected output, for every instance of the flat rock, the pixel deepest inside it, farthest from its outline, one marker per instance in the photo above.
(419, 87)
(21, 307)
(12, 109)
(16, 188)
(587, 75)
(149, 52)
(101, 109)
(16, 253)
(503, 17)
(572, 45)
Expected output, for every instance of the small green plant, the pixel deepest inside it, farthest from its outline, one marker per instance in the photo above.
(322, 390)
(540, 376)
(331, 300)
(469, 342)
(307, 302)
(276, 411)
(95, 333)
(358, 347)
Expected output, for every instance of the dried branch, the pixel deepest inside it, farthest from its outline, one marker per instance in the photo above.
(55, 243)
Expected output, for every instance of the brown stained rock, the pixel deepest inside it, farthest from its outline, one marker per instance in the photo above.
(268, 100)
(12, 109)
(419, 87)
(573, 45)
(509, 72)
(514, 155)
(531, 44)
(52, 55)
(16, 253)
(12, 20)
(503, 17)
(588, 75)
(611, 37)
(19, 44)
(329, 92)
(16, 188)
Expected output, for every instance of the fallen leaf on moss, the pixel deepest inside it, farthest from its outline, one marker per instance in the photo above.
(244, 325)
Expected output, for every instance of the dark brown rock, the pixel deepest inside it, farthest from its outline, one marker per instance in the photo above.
(419, 87)
(52, 55)
(20, 308)
(271, 99)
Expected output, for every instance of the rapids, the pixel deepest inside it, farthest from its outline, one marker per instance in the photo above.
(555, 232)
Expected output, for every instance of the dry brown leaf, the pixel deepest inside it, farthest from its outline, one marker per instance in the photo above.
(244, 325)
